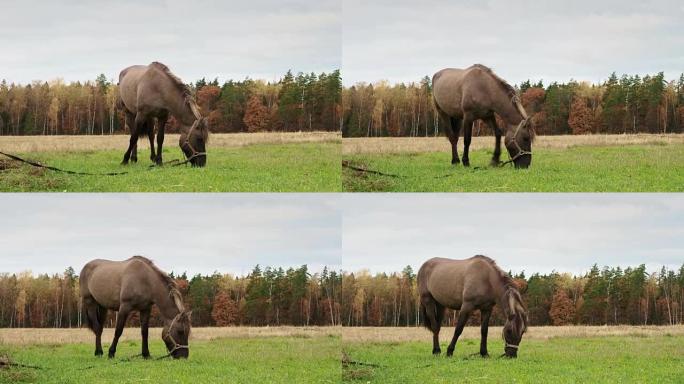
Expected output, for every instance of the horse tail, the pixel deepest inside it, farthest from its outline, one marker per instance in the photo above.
(426, 318)
(436, 312)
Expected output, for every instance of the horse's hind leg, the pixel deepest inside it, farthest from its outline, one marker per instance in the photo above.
(93, 312)
(130, 122)
(433, 313)
(463, 315)
(451, 128)
(453, 133)
(121, 318)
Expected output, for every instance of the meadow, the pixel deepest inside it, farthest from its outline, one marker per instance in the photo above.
(577, 354)
(589, 163)
(217, 355)
(254, 162)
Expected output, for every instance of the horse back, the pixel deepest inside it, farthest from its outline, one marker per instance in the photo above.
(452, 282)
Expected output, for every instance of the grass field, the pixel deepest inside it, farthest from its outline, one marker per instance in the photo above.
(619, 163)
(277, 162)
(546, 355)
(217, 355)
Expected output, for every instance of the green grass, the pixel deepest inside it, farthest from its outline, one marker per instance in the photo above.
(656, 359)
(634, 168)
(296, 167)
(235, 360)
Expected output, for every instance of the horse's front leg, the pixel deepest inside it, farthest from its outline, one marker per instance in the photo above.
(160, 140)
(496, 157)
(484, 328)
(463, 315)
(144, 328)
(467, 136)
(150, 135)
(121, 318)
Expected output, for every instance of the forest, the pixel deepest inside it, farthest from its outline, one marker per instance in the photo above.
(295, 296)
(606, 296)
(266, 296)
(625, 104)
(302, 102)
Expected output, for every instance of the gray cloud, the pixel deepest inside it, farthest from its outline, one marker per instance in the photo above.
(77, 40)
(197, 233)
(530, 232)
(555, 41)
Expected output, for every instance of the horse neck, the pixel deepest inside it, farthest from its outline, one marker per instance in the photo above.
(166, 304)
(504, 106)
(179, 107)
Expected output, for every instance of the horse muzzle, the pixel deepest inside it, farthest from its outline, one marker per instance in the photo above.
(182, 353)
(523, 161)
(199, 161)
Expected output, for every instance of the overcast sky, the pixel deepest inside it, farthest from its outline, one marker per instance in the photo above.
(197, 233)
(77, 40)
(404, 40)
(530, 232)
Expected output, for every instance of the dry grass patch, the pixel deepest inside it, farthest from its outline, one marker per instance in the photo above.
(29, 144)
(48, 336)
(380, 145)
(403, 334)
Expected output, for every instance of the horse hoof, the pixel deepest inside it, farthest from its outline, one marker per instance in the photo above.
(436, 352)
(466, 163)
(98, 353)
(111, 355)
(449, 353)
(125, 162)
(145, 357)
(485, 356)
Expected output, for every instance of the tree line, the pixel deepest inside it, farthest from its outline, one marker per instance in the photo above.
(295, 296)
(301, 102)
(625, 104)
(265, 296)
(607, 296)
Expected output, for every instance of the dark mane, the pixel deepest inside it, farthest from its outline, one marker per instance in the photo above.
(505, 278)
(182, 87)
(170, 283)
(502, 83)
(185, 90)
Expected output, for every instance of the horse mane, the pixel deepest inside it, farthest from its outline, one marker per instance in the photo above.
(171, 284)
(180, 85)
(502, 83)
(510, 288)
(506, 280)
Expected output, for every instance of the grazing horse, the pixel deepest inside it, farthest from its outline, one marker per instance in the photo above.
(467, 285)
(149, 92)
(462, 96)
(134, 285)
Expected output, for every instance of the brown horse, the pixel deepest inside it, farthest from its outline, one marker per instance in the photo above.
(149, 92)
(467, 285)
(134, 285)
(462, 96)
